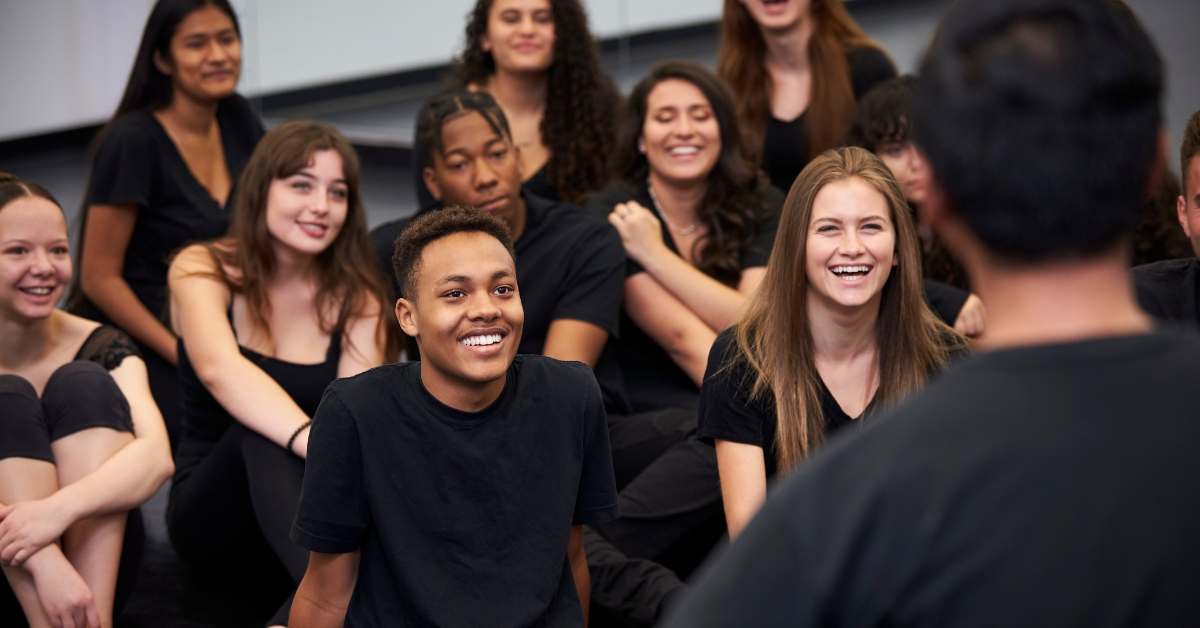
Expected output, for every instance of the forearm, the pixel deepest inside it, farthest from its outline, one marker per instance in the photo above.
(324, 594)
(113, 295)
(579, 569)
(713, 302)
(124, 482)
(253, 398)
(312, 610)
(743, 475)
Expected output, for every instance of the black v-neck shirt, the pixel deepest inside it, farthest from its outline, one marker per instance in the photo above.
(138, 163)
(785, 146)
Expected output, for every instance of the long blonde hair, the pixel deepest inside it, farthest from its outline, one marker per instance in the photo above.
(774, 336)
(741, 61)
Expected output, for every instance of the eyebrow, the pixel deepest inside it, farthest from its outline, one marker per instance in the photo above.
(500, 274)
(839, 220)
(314, 177)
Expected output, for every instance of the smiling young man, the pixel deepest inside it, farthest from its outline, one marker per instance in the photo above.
(451, 491)
(1170, 290)
(1052, 479)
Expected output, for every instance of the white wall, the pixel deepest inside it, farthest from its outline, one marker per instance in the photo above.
(66, 61)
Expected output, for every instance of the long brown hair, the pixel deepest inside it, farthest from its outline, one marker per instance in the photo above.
(581, 101)
(732, 205)
(775, 339)
(741, 61)
(348, 275)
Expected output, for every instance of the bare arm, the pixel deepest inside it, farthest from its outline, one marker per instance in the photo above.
(324, 593)
(574, 341)
(743, 483)
(671, 324)
(198, 306)
(579, 568)
(105, 242)
(364, 347)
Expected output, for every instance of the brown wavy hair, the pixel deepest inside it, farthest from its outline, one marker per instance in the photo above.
(774, 337)
(581, 101)
(741, 60)
(348, 275)
(732, 205)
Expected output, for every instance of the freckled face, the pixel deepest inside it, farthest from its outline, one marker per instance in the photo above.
(851, 245)
(520, 35)
(306, 211)
(206, 55)
(35, 258)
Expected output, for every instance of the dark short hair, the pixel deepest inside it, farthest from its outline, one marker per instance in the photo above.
(1040, 120)
(435, 225)
(12, 188)
(1190, 147)
(884, 115)
(449, 105)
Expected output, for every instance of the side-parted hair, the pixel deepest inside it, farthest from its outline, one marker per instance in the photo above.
(732, 204)
(1039, 119)
(13, 188)
(452, 104)
(740, 60)
(774, 336)
(1190, 147)
(435, 225)
(581, 100)
(349, 282)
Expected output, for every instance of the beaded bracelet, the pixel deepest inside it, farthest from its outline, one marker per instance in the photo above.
(292, 440)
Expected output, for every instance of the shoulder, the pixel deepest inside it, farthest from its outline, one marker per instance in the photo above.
(384, 236)
(869, 66)
(132, 130)
(602, 203)
(1165, 270)
(364, 389)
(574, 227)
(108, 347)
(194, 259)
(555, 375)
(237, 110)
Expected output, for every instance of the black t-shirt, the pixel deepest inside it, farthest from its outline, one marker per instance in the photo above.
(138, 163)
(462, 518)
(1053, 485)
(652, 380)
(570, 265)
(1170, 290)
(728, 412)
(785, 147)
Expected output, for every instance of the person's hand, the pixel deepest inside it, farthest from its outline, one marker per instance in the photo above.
(971, 319)
(27, 527)
(65, 597)
(640, 229)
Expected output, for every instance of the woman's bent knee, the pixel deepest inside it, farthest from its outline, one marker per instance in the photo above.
(23, 429)
(82, 395)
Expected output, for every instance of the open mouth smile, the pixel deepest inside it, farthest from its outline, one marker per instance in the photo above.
(851, 273)
(39, 291)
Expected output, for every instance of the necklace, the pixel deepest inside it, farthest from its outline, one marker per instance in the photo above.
(683, 231)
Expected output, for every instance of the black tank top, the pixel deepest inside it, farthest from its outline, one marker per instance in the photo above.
(205, 420)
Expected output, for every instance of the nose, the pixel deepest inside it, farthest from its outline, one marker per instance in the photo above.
(485, 175)
(483, 307)
(40, 265)
(526, 27)
(320, 202)
(685, 127)
(852, 244)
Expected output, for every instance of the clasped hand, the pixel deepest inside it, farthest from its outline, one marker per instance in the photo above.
(640, 230)
(27, 527)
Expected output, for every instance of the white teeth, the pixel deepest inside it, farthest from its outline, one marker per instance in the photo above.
(684, 150)
(478, 341)
(839, 270)
(41, 292)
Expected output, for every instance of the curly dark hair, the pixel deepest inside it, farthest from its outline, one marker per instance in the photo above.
(581, 100)
(1158, 235)
(883, 115)
(431, 226)
(732, 205)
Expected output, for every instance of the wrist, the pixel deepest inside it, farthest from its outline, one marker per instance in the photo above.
(45, 560)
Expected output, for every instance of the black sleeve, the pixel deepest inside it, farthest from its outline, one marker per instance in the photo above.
(869, 67)
(332, 517)
(596, 280)
(759, 252)
(726, 410)
(945, 300)
(123, 170)
(597, 498)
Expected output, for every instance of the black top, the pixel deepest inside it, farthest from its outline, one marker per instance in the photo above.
(108, 347)
(652, 380)
(728, 412)
(945, 300)
(569, 266)
(138, 163)
(1170, 290)
(1052, 485)
(462, 517)
(785, 146)
(205, 420)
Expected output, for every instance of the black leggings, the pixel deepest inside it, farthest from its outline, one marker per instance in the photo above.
(78, 396)
(232, 513)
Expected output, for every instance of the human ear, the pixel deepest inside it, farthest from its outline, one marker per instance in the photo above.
(1181, 214)
(406, 315)
(431, 182)
(485, 43)
(642, 145)
(162, 64)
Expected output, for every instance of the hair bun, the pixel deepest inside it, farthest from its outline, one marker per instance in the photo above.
(5, 177)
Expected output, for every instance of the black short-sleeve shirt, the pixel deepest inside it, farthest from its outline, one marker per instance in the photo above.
(785, 146)
(728, 412)
(138, 163)
(1170, 290)
(462, 518)
(570, 265)
(1053, 485)
(652, 380)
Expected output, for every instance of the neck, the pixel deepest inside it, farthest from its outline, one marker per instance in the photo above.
(190, 114)
(291, 266)
(787, 50)
(680, 200)
(1062, 302)
(521, 93)
(25, 341)
(841, 333)
(464, 396)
